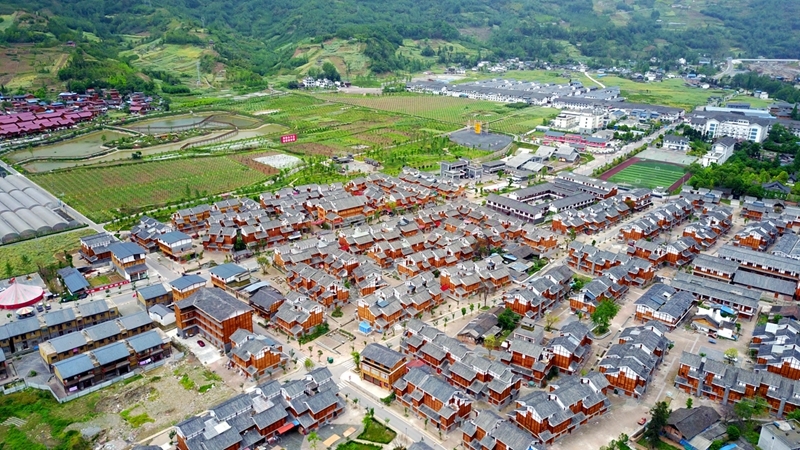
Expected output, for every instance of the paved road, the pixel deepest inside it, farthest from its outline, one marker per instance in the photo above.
(586, 74)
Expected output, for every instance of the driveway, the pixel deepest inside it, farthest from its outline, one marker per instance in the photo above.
(206, 355)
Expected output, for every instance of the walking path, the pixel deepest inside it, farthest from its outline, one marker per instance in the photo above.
(586, 74)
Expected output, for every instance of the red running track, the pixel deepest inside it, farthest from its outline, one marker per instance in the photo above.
(618, 168)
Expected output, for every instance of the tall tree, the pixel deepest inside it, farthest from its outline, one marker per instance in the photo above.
(659, 416)
(603, 314)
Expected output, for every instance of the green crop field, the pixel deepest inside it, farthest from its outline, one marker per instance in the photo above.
(104, 192)
(524, 120)
(671, 92)
(445, 109)
(649, 174)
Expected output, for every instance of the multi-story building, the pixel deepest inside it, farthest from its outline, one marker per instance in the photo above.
(585, 122)
(155, 294)
(299, 317)
(192, 220)
(94, 248)
(213, 314)
(570, 403)
(110, 361)
(664, 304)
(129, 260)
(185, 286)
(229, 276)
(270, 410)
(382, 366)
(488, 431)
(735, 125)
(725, 383)
(444, 406)
(776, 347)
(255, 354)
(266, 301)
(175, 245)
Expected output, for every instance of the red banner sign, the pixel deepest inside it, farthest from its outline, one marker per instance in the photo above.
(288, 138)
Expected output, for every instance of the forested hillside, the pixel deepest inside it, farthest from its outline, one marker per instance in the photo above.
(254, 38)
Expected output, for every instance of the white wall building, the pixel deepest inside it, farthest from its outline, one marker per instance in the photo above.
(737, 126)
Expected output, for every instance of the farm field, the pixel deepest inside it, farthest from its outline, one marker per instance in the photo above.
(25, 257)
(104, 192)
(445, 109)
(26, 66)
(524, 120)
(80, 146)
(422, 155)
(170, 57)
(649, 174)
(671, 92)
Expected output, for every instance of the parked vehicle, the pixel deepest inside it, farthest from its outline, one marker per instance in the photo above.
(201, 343)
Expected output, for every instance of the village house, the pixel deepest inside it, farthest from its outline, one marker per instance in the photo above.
(94, 248)
(192, 220)
(129, 260)
(155, 294)
(727, 384)
(776, 347)
(110, 361)
(266, 301)
(255, 355)
(444, 406)
(229, 276)
(269, 411)
(59, 348)
(146, 233)
(488, 431)
(185, 286)
(382, 366)
(214, 315)
(175, 245)
(299, 318)
(665, 304)
(570, 403)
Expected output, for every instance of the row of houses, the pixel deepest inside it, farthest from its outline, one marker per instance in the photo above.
(269, 411)
(111, 361)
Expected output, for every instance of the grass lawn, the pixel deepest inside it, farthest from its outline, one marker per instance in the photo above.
(25, 257)
(352, 445)
(377, 432)
(524, 120)
(45, 420)
(649, 174)
(103, 192)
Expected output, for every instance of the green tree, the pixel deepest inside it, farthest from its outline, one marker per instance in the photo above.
(309, 364)
(9, 269)
(689, 403)
(550, 320)
(356, 359)
(319, 355)
(508, 319)
(733, 432)
(313, 439)
(659, 416)
(263, 262)
(716, 445)
(731, 354)
(747, 408)
(463, 312)
(602, 315)
(472, 305)
(490, 342)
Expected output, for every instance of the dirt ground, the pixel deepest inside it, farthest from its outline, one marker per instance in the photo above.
(159, 394)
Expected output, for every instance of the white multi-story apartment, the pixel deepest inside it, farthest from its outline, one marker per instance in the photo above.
(720, 152)
(737, 126)
(579, 121)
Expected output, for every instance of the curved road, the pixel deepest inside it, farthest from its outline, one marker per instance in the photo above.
(586, 74)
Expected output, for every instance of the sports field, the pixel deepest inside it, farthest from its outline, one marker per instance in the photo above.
(649, 174)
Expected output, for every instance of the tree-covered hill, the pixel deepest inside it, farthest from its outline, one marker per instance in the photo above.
(254, 38)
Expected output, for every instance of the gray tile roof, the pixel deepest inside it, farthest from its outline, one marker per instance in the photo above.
(216, 303)
(68, 342)
(186, 281)
(381, 355)
(122, 250)
(111, 353)
(92, 308)
(103, 330)
(136, 320)
(73, 279)
(145, 341)
(74, 366)
(154, 291)
(59, 316)
(226, 271)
